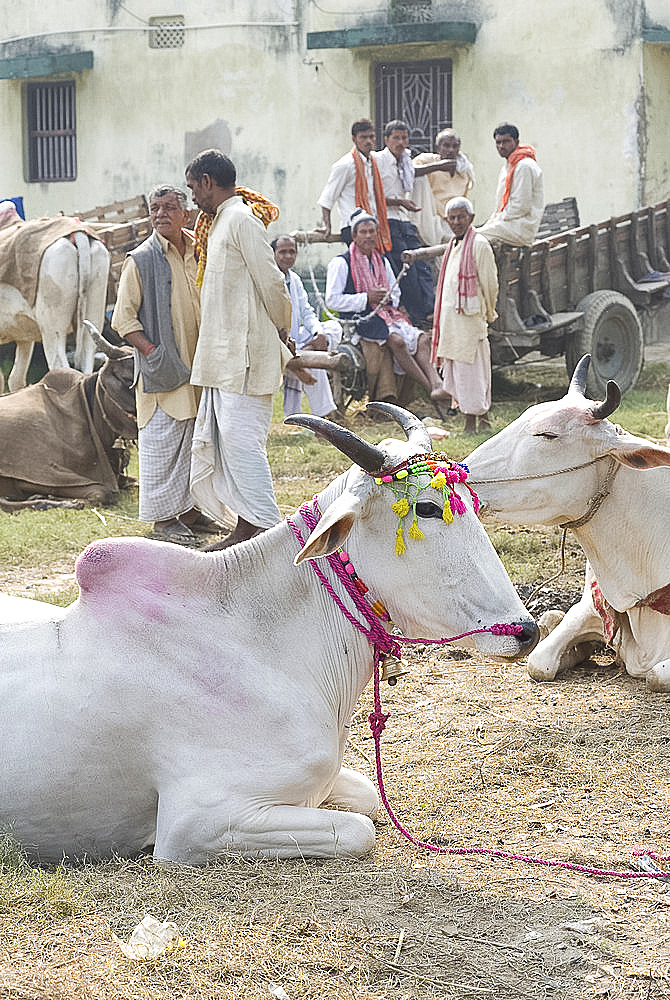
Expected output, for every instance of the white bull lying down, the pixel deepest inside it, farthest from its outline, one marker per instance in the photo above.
(71, 288)
(563, 463)
(200, 702)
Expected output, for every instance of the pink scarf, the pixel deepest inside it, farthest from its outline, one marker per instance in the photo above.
(467, 301)
(369, 272)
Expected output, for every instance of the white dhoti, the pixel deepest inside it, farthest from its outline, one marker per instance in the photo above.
(470, 384)
(164, 446)
(320, 394)
(229, 461)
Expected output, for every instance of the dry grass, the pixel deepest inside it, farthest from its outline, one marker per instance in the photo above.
(475, 754)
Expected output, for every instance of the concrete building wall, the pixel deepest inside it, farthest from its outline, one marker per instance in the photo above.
(576, 78)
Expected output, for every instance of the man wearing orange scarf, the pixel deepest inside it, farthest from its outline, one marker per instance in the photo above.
(520, 193)
(355, 182)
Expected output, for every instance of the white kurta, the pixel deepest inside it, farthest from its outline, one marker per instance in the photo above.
(463, 344)
(244, 302)
(459, 333)
(520, 219)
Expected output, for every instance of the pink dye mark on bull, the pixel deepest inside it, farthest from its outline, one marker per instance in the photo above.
(113, 572)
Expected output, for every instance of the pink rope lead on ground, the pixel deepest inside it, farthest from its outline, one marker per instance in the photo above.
(377, 721)
(383, 644)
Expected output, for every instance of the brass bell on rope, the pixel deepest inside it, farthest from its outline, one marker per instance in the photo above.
(393, 668)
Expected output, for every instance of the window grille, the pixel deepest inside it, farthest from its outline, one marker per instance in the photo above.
(418, 93)
(52, 136)
(166, 32)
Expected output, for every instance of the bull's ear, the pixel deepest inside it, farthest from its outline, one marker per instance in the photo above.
(645, 456)
(333, 529)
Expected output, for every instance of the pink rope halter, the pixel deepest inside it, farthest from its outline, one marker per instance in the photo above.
(384, 644)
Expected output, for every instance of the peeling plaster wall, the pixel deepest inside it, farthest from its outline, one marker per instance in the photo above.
(655, 181)
(575, 78)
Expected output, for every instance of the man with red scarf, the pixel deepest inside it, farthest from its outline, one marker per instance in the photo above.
(361, 285)
(465, 303)
(355, 181)
(520, 192)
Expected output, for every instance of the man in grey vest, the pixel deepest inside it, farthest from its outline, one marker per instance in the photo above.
(158, 311)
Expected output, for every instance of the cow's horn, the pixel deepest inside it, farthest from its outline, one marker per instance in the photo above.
(578, 380)
(413, 427)
(104, 345)
(612, 400)
(367, 455)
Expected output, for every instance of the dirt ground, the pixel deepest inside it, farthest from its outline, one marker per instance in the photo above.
(474, 755)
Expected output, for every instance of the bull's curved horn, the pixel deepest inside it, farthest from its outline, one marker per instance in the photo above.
(578, 380)
(612, 400)
(367, 455)
(413, 427)
(104, 345)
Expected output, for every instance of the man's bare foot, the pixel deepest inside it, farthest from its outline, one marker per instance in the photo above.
(242, 532)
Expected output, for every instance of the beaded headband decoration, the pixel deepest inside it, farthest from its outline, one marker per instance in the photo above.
(405, 483)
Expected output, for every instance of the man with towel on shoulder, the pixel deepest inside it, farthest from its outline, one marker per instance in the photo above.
(355, 182)
(520, 192)
(465, 303)
(241, 355)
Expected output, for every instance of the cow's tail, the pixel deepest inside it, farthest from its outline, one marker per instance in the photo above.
(83, 245)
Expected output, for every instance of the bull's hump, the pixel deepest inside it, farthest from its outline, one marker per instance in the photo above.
(111, 569)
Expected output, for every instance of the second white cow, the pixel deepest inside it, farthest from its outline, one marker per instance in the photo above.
(563, 463)
(71, 288)
(200, 702)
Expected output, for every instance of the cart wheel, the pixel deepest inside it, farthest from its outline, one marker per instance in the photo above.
(351, 376)
(612, 334)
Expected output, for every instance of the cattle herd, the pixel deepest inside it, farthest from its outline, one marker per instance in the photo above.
(172, 657)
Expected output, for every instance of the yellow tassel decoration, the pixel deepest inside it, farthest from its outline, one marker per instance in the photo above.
(439, 481)
(400, 507)
(447, 515)
(415, 531)
(399, 542)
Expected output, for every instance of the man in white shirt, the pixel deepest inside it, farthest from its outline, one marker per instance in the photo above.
(308, 334)
(519, 195)
(354, 181)
(397, 174)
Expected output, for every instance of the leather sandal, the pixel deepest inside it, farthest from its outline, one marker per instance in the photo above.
(174, 531)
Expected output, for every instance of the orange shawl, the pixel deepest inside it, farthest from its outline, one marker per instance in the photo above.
(514, 157)
(362, 201)
(264, 209)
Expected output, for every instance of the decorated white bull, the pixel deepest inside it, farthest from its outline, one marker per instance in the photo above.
(200, 702)
(563, 463)
(50, 283)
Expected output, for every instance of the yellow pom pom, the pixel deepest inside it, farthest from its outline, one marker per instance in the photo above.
(447, 515)
(415, 532)
(438, 481)
(400, 507)
(399, 542)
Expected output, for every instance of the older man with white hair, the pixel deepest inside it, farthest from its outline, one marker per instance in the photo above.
(465, 303)
(361, 285)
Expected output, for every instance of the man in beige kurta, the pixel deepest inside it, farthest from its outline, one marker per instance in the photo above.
(240, 358)
(439, 177)
(160, 317)
(461, 335)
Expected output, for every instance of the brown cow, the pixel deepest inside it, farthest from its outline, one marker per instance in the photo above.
(57, 437)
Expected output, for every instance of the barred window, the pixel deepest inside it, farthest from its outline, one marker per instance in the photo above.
(167, 32)
(52, 135)
(419, 93)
